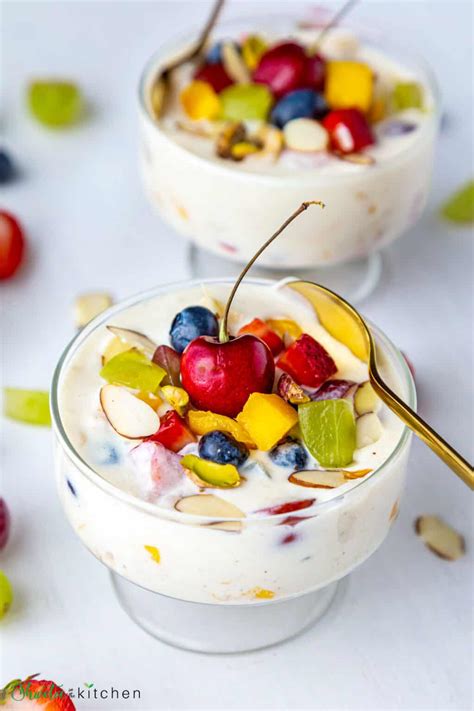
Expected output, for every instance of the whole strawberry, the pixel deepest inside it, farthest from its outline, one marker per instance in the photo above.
(35, 693)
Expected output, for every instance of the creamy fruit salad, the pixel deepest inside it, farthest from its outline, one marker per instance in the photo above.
(226, 471)
(269, 119)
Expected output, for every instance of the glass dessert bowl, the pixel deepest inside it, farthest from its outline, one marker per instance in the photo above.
(226, 160)
(225, 515)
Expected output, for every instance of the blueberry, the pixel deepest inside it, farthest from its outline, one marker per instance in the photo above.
(302, 103)
(214, 54)
(6, 167)
(222, 448)
(71, 488)
(289, 453)
(190, 323)
(107, 455)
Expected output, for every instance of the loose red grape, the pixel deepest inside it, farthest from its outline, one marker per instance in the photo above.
(12, 244)
(4, 524)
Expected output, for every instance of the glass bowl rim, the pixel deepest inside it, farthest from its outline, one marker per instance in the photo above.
(172, 514)
(299, 176)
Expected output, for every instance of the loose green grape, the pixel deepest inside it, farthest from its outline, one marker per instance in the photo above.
(6, 594)
(30, 406)
(244, 102)
(329, 431)
(407, 95)
(460, 207)
(55, 103)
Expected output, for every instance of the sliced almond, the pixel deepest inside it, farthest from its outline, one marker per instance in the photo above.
(366, 399)
(88, 306)
(234, 64)
(135, 339)
(271, 138)
(357, 158)
(130, 417)
(440, 538)
(368, 430)
(208, 505)
(356, 474)
(305, 134)
(318, 479)
(231, 526)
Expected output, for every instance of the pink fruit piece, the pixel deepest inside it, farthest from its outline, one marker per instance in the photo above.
(170, 360)
(4, 523)
(157, 469)
(287, 507)
(333, 390)
(282, 68)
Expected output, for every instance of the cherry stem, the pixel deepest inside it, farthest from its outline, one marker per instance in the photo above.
(223, 330)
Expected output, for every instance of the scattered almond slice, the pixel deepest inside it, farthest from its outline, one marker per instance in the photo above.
(318, 479)
(271, 139)
(234, 64)
(154, 553)
(135, 339)
(440, 538)
(368, 430)
(208, 505)
(357, 474)
(129, 416)
(365, 399)
(231, 526)
(357, 158)
(88, 306)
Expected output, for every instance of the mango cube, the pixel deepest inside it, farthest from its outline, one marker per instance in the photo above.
(200, 101)
(201, 422)
(267, 418)
(349, 85)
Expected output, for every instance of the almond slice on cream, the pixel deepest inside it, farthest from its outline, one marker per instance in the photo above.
(130, 417)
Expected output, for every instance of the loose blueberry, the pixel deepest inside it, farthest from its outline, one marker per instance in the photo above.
(222, 448)
(289, 453)
(190, 323)
(6, 167)
(214, 54)
(71, 487)
(302, 103)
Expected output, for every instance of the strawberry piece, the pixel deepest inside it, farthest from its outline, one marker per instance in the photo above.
(282, 68)
(36, 693)
(259, 328)
(173, 433)
(307, 362)
(348, 130)
(215, 75)
(287, 507)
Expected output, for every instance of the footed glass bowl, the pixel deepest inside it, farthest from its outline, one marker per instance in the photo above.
(235, 584)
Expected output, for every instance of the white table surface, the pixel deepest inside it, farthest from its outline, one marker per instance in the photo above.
(401, 636)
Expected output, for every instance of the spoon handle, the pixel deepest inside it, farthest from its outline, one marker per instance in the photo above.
(426, 433)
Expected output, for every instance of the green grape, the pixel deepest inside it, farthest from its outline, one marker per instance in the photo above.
(220, 475)
(329, 431)
(6, 594)
(407, 95)
(134, 370)
(460, 207)
(243, 102)
(55, 103)
(30, 406)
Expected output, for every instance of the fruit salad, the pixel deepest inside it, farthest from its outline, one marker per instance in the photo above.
(273, 118)
(224, 470)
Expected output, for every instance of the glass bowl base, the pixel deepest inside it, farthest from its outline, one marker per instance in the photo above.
(220, 629)
(354, 280)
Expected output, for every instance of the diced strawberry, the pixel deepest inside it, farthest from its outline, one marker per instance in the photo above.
(259, 328)
(348, 130)
(157, 469)
(287, 507)
(307, 362)
(35, 693)
(173, 433)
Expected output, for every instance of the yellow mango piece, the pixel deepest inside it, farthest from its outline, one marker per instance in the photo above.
(349, 85)
(113, 348)
(178, 398)
(154, 553)
(202, 422)
(267, 418)
(284, 326)
(153, 400)
(200, 101)
(261, 593)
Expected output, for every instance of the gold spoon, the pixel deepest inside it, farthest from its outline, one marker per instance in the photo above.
(161, 80)
(346, 324)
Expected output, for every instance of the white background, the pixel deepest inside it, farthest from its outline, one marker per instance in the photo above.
(401, 636)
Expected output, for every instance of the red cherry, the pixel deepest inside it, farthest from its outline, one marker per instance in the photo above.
(282, 68)
(315, 72)
(215, 75)
(259, 328)
(221, 376)
(173, 433)
(348, 130)
(12, 244)
(307, 362)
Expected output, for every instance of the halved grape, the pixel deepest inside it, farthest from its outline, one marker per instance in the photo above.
(329, 431)
(6, 594)
(134, 370)
(55, 103)
(30, 406)
(244, 102)
(460, 207)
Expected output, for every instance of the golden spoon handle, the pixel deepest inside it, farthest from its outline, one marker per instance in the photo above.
(426, 433)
